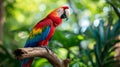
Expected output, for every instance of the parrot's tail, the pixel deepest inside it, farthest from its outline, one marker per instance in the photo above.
(27, 62)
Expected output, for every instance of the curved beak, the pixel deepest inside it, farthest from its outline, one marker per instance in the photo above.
(65, 14)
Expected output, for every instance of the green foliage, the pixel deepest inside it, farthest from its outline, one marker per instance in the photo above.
(91, 47)
(105, 40)
(7, 58)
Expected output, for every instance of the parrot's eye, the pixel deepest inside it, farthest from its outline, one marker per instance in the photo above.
(58, 11)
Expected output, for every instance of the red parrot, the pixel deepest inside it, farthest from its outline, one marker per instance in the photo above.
(43, 31)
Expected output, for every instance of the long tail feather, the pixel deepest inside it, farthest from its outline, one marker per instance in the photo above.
(27, 62)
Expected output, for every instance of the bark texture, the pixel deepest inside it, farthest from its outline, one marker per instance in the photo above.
(23, 53)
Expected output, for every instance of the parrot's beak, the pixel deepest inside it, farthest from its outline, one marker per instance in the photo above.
(65, 14)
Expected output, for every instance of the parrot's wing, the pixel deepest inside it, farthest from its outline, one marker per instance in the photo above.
(39, 33)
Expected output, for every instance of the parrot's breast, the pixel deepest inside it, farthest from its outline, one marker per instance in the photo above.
(52, 30)
(50, 34)
(56, 20)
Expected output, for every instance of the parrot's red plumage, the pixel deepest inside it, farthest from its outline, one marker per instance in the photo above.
(44, 30)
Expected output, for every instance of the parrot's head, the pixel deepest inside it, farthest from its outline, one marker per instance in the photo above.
(63, 12)
(58, 14)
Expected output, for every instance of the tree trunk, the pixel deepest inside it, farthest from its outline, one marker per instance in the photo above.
(1, 19)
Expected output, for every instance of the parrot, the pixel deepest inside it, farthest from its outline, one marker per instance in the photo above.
(43, 31)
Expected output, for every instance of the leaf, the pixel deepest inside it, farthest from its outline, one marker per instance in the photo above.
(94, 33)
(6, 52)
(97, 55)
(90, 57)
(79, 64)
(101, 33)
(108, 32)
(116, 27)
(108, 48)
(109, 58)
(106, 63)
(113, 42)
(112, 49)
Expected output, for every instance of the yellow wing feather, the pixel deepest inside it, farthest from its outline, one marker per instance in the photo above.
(35, 32)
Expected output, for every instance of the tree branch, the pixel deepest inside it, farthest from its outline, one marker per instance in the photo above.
(23, 53)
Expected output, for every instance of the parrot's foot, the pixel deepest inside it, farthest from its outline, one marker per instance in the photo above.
(47, 48)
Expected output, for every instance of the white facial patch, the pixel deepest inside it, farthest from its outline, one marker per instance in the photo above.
(67, 12)
(60, 11)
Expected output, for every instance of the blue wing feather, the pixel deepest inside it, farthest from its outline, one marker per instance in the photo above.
(32, 42)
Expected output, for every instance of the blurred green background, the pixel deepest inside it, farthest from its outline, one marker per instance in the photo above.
(90, 37)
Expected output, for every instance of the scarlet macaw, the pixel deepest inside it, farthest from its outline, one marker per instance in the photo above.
(44, 30)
